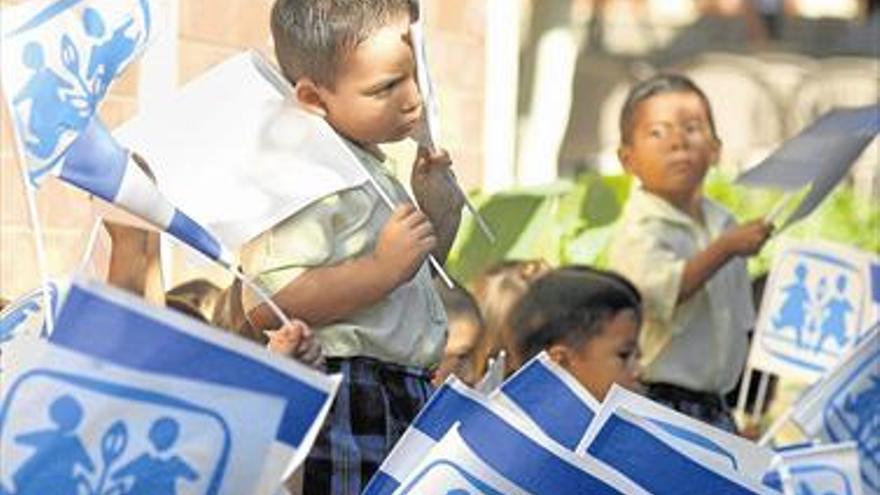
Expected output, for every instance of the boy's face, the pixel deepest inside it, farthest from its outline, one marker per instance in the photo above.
(459, 354)
(610, 357)
(375, 98)
(672, 145)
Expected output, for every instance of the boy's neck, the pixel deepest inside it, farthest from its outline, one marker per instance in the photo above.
(691, 204)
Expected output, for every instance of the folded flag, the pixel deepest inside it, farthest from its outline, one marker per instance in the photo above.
(551, 399)
(845, 406)
(820, 469)
(648, 455)
(72, 424)
(59, 59)
(113, 326)
(714, 446)
(456, 403)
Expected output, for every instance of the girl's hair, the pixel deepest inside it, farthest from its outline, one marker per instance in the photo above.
(497, 290)
(658, 85)
(569, 305)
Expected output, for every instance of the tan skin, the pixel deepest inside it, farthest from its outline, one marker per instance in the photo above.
(607, 358)
(374, 100)
(671, 150)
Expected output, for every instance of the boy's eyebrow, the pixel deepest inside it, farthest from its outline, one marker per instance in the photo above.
(384, 82)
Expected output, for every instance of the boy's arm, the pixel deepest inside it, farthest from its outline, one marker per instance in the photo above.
(742, 240)
(326, 294)
(438, 196)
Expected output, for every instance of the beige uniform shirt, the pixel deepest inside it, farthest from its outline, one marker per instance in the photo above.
(407, 328)
(701, 344)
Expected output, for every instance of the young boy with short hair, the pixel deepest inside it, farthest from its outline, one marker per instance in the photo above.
(351, 268)
(684, 252)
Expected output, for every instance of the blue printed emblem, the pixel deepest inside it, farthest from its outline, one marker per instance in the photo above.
(69, 434)
(851, 414)
(818, 479)
(817, 310)
(26, 314)
(445, 477)
(63, 59)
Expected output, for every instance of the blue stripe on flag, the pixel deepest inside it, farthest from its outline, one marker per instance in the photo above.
(190, 232)
(95, 162)
(449, 406)
(510, 453)
(653, 465)
(550, 404)
(381, 484)
(93, 325)
(45, 15)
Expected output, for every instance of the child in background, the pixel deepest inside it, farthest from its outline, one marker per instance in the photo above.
(497, 290)
(588, 322)
(348, 266)
(465, 331)
(684, 252)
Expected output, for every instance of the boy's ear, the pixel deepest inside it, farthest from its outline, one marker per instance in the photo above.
(559, 354)
(624, 155)
(308, 95)
(715, 155)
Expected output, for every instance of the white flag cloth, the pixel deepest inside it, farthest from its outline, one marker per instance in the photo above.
(72, 424)
(455, 403)
(820, 301)
(845, 406)
(820, 469)
(648, 455)
(240, 161)
(713, 446)
(550, 399)
(59, 59)
(110, 325)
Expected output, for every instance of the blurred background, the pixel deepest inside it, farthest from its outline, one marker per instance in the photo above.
(530, 92)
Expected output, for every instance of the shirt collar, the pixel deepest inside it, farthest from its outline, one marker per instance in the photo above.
(644, 204)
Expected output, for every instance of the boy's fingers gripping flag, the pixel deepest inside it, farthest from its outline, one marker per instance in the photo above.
(549, 397)
(59, 59)
(845, 406)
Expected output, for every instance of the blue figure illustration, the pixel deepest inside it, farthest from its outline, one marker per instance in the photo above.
(834, 315)
(155, 475)
(58, 452)
(793, 312)
(106, 58)
(51, 112)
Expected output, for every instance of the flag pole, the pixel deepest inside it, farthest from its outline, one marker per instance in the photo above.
(760, 398)
(744, 387)
(775, 427)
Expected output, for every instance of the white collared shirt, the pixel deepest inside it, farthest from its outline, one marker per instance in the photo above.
(702, 343)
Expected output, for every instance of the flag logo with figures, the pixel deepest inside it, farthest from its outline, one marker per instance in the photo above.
(67, 445)
(821, 479)
(817, 306)
(447, 478)
(59, 59)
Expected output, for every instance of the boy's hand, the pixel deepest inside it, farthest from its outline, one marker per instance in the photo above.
(434, 185)
(296, 340)
(404, 243)
(748, 238)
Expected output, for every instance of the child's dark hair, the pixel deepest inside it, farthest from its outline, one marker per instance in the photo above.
(569, 305)
(657, 85)
(312, 37)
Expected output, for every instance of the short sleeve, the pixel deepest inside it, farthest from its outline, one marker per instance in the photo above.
(639, 253)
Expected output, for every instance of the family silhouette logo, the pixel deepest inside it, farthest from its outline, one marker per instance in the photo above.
(26, 314)
(59, 61)
(818, 306)
(818, 479)
(70, 434)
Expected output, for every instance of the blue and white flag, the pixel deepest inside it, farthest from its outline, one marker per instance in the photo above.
(59, 59)
(696, 438)
(845, 406)
(550, 399)
(820, 301)
(257, 156)
(820, 470)
(71, 424)
(490, 456)
(111, 325)
(651, 457)
(25, 316)
(455, 403)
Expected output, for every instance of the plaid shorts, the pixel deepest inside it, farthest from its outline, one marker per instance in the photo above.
(706, 407)
(375, 404)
